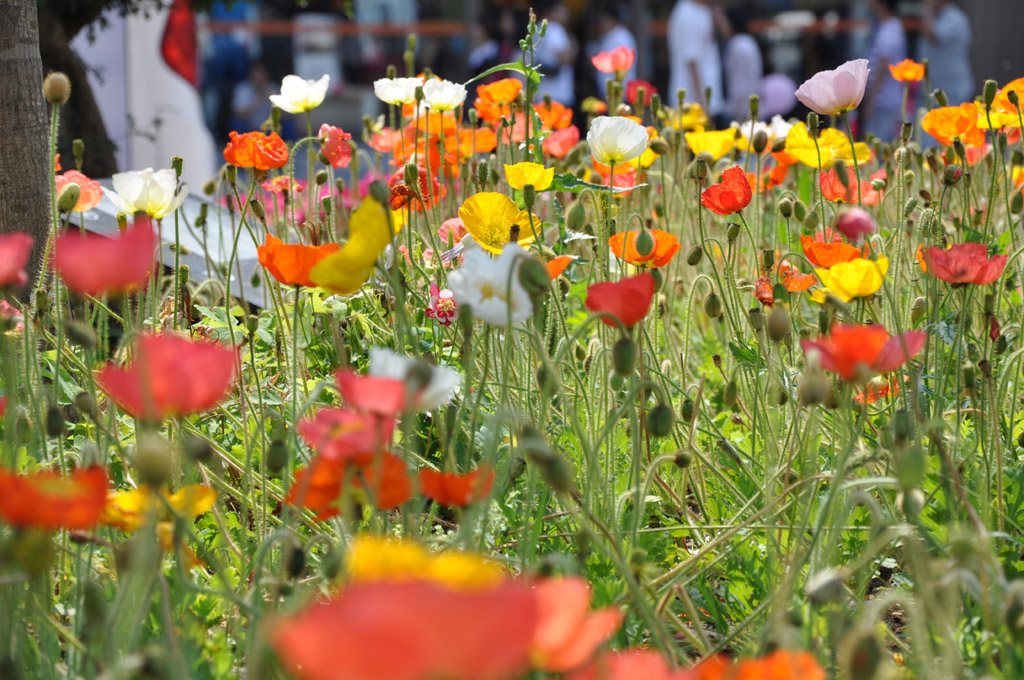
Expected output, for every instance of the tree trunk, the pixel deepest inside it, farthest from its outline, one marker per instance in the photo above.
(24, 159)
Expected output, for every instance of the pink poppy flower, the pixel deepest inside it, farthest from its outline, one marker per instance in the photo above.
(335, 145)
(830, 93)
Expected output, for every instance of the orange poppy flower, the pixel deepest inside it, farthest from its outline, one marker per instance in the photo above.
(561, 142)
(833, 188)
(494, 100)
(784, 158)
(338, 435)
(847, 349)
(557, 265)
(628, 300)
(554, 116)
(290, 263)
(877, 388)
(1002, 100)
(567, 634)
(919, 256)
(96, 265)
(479, 140)
(950, 123)
(730, 195)
(51, 501)
(455, 490)
(386, 140)
(170, 375)
(632, 664)
(256, 150)
(780, 665)
(387, 480)
(763, 291)
(405, 631)
(907, 71)
(321, 490)
(91, 191)
(403, 195)
(666, 245)
(828, 254)
(794, 280)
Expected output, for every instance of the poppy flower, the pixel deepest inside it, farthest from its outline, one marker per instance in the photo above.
(628, 299)
(730, 195)
(633, 91)
(965, 263)
(763, 291)
(502, 91)
(491, 288)
(521, 174)
(632, 664)
(619, 59)
(256, 150)
(855, 224)
(131, 510)
(827, 254)
(335, 146)
(830, 93)
(170, 375)
(50, 501)
(370, 232)
(96, 265)
(831, 145)
(386, 478)
(557, 265)
(779, 665)
(616, 140)
(432, 386)
(396, 91)
(795, 281)
(716, 143)
(492, 217)
(376, 559)
(1002, 101)
(91, 191)
(403, 195)
(850, 349)
(665, 247)
(443, 95)
(835, 189)
(877, 388)
(356, 633)
(317, 486)
(283, 184)
(553, 116)
(594, 105)
(455, 490)
(291, 263)
(299, 94)
(949, 123)
(907, 71)
(853, 279)
(14, 251)
(154, 192)
(567, 634)
(624, 180)
(339, 435)
(370, 394)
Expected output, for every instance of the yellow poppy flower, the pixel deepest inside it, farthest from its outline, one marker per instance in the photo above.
(1000, 119)
(372, 559)
(130, 510)
(717, 142)
(832, 144)
(853, 279)
(347, 270)
(690, 117)
(490, 216)
(521, 174)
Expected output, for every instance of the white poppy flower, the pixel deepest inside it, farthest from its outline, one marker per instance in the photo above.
(491, 288)
(155, 193)
(443, 95)
(438, 391)
(614, 140)
(396, 91)
(298, 94)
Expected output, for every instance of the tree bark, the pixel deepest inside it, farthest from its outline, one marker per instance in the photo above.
(24, 158)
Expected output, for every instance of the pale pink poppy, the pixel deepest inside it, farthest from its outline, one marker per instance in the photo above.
(833, 92)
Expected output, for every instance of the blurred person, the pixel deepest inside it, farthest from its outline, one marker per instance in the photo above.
(694, 61)
(611, 33)
(741, 61)
(555, 54)
(250, 103)
(483, 48)
(881, 109)
(225, 63)
(946, 44)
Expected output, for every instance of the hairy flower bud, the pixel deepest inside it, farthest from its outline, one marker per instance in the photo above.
(68, 197)
(57, 88)
(660, 420)
(713, 305)
(786, 207)
(624, 356)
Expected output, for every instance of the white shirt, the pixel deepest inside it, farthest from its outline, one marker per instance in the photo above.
(691, 37)
(743, 73)
(617, 37)
(559, 85)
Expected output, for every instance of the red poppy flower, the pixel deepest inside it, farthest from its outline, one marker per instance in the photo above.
(371, 394)
(291, 263)
(877, 388)
(14, 251)
(730, 195)
(51, 501)
(763, 291)
(557, 265)
(317, 486)
(335, 145)
(356, 634)
(827, 254)
(633, 664)
(339, 435)
(256, 150)
(561, 142)
(553, 116)
(619, 59)
(965, 263)
(91, 191)
(96, 265)
(781, 665)
(455, 490)
(386, 479)
(567, 634)
(170, 375)
(849, 348)
(403, 195)
(833, 188)
(665, 247)
(633, 91)
(628, 300)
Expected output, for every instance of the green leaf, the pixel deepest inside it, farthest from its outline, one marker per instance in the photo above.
(572, 183)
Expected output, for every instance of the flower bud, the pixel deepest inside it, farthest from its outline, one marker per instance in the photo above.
(824, 587)
(411, 175)
(918, 309)
(699, 168)
(1002, 344)
(231, 174)
(778, 325)
(81, 334)
(812, 123)
(940, 97)
(687, 410)
(68, 197)
(660, 420)
(970, 374)
(906, 132)
(713, 305)
(855, 224)
(911, 468)
(767, 259)
(811, 221)
(547, 381)
(277, 456)
(754, 103)
(529, 195)
(56, 88)
(379, 192)
(624, 356)
(85, 404)
(786, 207)
(54, 421)
(534, 277)
(644, 243)
(813, 388)
(1017, 203)
(731, 394)
(683, 459)
(257, 209)
(295, 564)
(778, 393)
(989, 92)
(577, 217)
(800, 210)
(756, 318)
(910, 206)
(910, 503)
(760, 141)
(197, 448)
(209, 188)
(327, 204)
(659, 146)
(154, 459)
(320, 177)
(733, 232)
